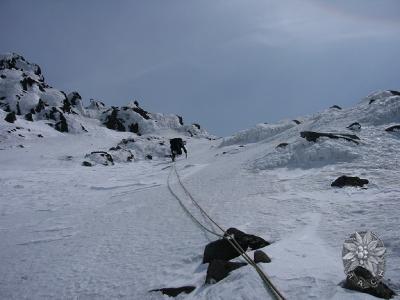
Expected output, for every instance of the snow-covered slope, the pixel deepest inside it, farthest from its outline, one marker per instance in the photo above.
(109, 232)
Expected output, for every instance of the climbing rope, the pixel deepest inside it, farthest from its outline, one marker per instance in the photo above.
(269, 286)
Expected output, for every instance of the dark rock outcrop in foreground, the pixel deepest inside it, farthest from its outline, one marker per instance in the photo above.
(261, 257)
(10, 118)
(313, 136)
(223, 250)
(282, 145)
(395, 128)
(173, 292)
(349, 181)
(354, 126)
(219, 269)
(364, 277)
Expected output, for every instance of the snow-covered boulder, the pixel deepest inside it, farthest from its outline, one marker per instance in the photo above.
(258, 133)
(305, 154)
(144, 146)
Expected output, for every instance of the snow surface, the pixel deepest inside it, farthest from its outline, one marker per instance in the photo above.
(115, 232)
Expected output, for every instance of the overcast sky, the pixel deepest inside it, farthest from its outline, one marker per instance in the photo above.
(226, 64)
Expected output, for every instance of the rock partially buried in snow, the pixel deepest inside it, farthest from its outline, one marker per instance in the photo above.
(313, 136)
(223, 250)
(395, 128)
(261, 257)
(361, 283)
(354, 126)
(253, 242)
(349, 181)
(100, 157)
(219, 269)
(10, 118)
(282, 145)
(173, 292)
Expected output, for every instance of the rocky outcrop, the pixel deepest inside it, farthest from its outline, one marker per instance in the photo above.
(354, 126)
(10, 117)
(261, 257)
(219, 269)
(282, 145)
(344, 180)
(222, 250)
(173, 292)
(336, 107)
(313, 136)
(395, 128)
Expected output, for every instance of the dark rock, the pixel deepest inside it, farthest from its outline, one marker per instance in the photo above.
(297, 122)
(40, 106)
(141, 112)
(395, 93)
(371, 101)
(180, 120)
(223, 250)
(18, 109)
(21, 146)
(261, 257)
(136, 103)
(66, 106)
(83, 128)
(219, 269)
(336, 106)
(173, 292)
(354, 126)
(253, 242)
(2, 76)
(282, 145)
(29, 117)
(112, 121)
(73, 98)
(361, 282)
(115, 148)
(149, 156)
(196, 125)
(62, 125)
(27, 82)
(86, 164)
(349, 181)
(10, 117)
(395, 128)
(312, 136)
(39, 135)
(134, 127)
(105, 155)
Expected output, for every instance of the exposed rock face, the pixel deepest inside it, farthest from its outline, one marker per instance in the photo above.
(349, 181)
(219, 269)
(10, 118)
(223, 250)
(354, 126)
(112, 121)
(336, 107)
(395, 93)
(363, 277)
(313, 136)
(395, 128)
(297, 122)
(261, 257)
(253, 242)
(282, 145)
(100, 157)
(173, 292)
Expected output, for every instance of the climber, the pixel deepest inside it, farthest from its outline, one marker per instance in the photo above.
(177, 144)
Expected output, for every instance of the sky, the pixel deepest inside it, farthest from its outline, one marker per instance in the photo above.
(225, 64)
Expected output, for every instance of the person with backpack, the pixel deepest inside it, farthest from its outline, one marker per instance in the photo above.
(177, 144)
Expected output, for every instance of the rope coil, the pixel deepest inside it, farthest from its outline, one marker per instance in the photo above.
(269, 286)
